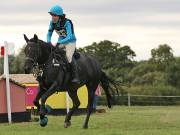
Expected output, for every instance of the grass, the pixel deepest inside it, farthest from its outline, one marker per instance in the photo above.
(121, 120)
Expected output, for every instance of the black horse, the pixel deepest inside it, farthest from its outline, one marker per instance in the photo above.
(40, 56)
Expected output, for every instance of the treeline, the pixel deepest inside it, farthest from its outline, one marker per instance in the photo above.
(159, 75)
(16, 63)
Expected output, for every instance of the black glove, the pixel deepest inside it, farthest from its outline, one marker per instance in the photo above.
(51, 45)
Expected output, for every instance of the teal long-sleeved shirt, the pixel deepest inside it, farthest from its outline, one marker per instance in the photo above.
(66, 35)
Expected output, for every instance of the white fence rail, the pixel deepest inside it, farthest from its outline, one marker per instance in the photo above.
(131, 99)
(148, 96)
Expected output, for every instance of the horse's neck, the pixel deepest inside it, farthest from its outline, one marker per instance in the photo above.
(45, 53)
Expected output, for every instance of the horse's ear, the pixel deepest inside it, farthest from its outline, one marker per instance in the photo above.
(25, 37)
(35, 38)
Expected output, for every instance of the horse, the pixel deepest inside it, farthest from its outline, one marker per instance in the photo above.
(39, 57)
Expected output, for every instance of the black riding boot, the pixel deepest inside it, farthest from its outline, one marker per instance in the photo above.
(74, 70)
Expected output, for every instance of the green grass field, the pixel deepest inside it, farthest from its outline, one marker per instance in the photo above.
(117, 121)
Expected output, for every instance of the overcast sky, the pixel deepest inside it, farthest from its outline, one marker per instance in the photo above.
(141, 24)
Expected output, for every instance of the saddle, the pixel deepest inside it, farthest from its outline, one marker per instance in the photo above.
(59, 57)
(76, 54)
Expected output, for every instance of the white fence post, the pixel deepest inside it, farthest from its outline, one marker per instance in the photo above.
(129, 99)
(6, 73)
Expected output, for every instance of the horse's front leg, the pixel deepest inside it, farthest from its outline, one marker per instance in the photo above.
(43, 111)
(41, 91)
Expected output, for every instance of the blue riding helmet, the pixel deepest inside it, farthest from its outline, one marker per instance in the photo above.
(56, 10)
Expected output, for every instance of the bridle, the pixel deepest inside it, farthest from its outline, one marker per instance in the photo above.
(32, 60)
(37, 69)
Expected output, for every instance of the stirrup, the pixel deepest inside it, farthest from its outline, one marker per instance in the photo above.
(54, 63)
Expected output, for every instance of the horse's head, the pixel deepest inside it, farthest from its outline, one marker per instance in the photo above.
(33, 53)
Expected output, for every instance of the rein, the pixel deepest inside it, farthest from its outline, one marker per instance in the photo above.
(38, 69)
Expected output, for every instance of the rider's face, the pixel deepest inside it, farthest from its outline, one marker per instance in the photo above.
(55, 18)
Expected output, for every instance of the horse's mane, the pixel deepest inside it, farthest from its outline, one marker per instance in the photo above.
(43, 45)
(39, 40)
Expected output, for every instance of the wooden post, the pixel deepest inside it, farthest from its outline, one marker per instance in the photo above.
(129, 99)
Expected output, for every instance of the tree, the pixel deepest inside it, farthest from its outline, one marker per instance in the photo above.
(18, 63)
(162, 56)
(142, 68)
(173, 72)
(116, 60)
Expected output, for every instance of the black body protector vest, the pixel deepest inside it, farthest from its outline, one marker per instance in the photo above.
(60, 29)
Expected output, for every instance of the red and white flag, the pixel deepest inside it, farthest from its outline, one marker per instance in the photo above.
(10, 49)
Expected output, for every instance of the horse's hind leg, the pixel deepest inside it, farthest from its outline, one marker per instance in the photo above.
(73, 95)
(91, 94)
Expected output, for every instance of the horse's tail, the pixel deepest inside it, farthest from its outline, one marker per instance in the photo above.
(110, 88)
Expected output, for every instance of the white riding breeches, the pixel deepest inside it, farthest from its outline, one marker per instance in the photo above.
(70, 48)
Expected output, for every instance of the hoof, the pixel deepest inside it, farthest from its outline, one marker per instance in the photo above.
(67, 124)
(44, 121)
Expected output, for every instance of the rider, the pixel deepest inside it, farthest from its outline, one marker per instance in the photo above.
(64, 28)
